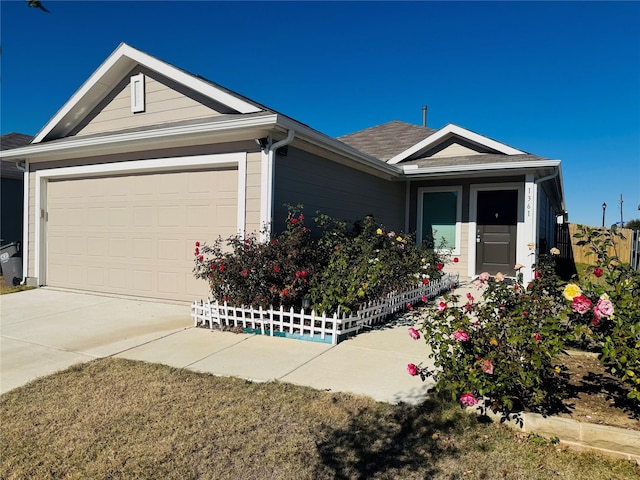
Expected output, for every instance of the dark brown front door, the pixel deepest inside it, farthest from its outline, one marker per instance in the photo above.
(496, 234)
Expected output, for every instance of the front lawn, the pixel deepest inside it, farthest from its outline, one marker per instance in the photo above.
(115, 419)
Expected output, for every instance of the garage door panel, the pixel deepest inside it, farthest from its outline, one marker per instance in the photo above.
(135, 234)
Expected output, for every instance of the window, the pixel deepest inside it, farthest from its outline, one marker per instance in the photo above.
(440, 217)
(137, 93)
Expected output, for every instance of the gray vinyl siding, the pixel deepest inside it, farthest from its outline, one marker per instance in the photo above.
(546, 223)
(336, 190)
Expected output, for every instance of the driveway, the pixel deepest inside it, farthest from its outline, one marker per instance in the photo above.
(45, 330)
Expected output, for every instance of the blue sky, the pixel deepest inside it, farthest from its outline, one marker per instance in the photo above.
(557, 79)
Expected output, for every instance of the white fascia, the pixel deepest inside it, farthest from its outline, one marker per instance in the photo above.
(412, 170)
(155, 137)
(238, 159)
(127, 57)
(450, 130)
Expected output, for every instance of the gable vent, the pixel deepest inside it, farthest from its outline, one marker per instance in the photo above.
(137, 93)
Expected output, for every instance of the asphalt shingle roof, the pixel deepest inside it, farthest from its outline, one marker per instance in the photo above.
(387, 140)
(7, 142)
(14, 140)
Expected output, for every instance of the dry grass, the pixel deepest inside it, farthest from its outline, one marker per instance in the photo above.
(117, 419)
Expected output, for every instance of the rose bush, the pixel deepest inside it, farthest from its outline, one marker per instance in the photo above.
(338, 268)
(499, 349)
(606, 306)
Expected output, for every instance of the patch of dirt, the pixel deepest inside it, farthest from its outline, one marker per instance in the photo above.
(596, 395)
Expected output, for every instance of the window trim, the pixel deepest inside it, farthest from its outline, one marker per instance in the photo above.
(454, 188)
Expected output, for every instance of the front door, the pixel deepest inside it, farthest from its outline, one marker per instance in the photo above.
(496, 233)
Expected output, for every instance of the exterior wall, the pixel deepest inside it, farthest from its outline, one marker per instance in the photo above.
(254, 169)
(455, 150)
(11, 192)
(163, 104)
(462, 266)
(546, 223)
(336, 190)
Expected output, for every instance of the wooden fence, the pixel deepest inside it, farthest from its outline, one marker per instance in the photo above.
(312, 326)
(566, 242)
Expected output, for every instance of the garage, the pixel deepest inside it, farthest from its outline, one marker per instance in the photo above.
(134, 234)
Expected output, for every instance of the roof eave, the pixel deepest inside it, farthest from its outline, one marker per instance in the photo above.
(254, 127)
(450, 170)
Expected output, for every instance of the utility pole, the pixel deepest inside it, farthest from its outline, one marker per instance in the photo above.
(621, 220)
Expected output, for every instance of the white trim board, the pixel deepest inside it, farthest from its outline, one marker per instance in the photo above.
(522, 227)
(451, 130)
(137, 166)
(452, 188)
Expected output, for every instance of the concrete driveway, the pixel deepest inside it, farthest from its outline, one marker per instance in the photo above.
(45, 330)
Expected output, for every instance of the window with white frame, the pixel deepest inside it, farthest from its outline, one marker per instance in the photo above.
(440, 217)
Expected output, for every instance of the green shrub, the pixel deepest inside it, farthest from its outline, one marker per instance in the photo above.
(500, 349)
(605, 305)
(343, 267)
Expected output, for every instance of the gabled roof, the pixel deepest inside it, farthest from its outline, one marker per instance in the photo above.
(387, 140)
(447, 132)
(119, 64)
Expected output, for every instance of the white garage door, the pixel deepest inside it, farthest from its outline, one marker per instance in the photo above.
(135, 234)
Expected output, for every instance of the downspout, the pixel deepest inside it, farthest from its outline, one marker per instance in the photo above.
(271, 155)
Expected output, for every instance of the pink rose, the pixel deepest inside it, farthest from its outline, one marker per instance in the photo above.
(469, 296)
(604, 308)
(460, 336)
(484, 277)
(294, 221)
(597, 272)
(487, 366)
(200, 258)
(456, 260)
(468, 400)
(536, 274)
(412, 369)
(409, 306)
(197, 244)
(442, 307)
(196, 251)
(537, 336)
(423, 299)
(425, 281)
(413, 333)
(276, 268)
(439, 266)
(245, 272)
(581, 304)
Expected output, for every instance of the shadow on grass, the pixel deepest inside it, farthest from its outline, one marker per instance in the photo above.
(407, 439)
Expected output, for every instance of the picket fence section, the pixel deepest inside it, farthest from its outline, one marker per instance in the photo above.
(312, 326)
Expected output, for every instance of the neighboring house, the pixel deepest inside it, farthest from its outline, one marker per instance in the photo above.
(11, 191)
(145, 159)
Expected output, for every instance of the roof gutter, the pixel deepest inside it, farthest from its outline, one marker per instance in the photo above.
(120, 142)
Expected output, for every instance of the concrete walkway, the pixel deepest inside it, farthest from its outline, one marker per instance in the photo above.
(46, 330)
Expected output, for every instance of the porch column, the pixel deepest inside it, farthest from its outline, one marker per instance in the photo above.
(527, 250)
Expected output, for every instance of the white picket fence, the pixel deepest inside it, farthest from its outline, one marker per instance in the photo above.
(312, 326)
